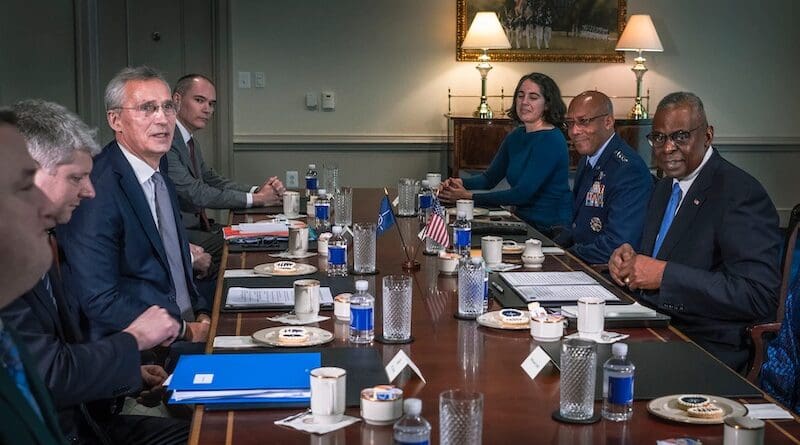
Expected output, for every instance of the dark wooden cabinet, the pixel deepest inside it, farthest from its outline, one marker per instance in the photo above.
(473, 142)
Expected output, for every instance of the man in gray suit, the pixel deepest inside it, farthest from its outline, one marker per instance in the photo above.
(198, 185)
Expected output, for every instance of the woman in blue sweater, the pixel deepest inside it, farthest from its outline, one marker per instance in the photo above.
(533, 158)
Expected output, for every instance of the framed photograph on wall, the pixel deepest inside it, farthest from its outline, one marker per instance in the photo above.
(549, 30)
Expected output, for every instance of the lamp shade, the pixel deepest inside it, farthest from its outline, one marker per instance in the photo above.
(639, 35)
(485, 32)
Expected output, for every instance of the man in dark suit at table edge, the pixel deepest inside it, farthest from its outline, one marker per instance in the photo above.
(711, 242)
(126, 250)
(86, 379)
(198, 185)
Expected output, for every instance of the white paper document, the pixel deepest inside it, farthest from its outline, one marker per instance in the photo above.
(767, 411)
(261, 227)
(547, 278)
(235, 342)
(634, 310)
(240, 273)
(564, 293)
(278, 297)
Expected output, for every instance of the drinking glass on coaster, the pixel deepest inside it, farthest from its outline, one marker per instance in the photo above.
(328, 392)
(460, 417)
(578, 376)
(364, 241)
(591, 317)
(471, 288)
(291, 204)
(396, 309)
(306, 299)
(407, 189)
(331, 171)
(343, 207)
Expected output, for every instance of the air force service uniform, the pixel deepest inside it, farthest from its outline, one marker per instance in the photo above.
(609, 203)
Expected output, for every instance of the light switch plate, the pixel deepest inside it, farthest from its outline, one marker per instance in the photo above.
(292, 181)
(259, 79)
(244, 79)
(311, 101)
(328, 100)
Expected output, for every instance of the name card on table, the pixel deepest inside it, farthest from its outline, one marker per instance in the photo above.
(398, 363)
(535, 362)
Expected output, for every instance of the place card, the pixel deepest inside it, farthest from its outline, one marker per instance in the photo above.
(535, 362)
(767, 411)
(398, 363)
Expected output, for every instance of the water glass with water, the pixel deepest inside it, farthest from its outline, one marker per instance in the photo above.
(460, 417)
(364, 235)
(397, 307)
(578, 378)
(343, 207)
(470, 287)
(331, 171)
(407, 189)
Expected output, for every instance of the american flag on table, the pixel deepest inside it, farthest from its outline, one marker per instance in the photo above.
(436, 228)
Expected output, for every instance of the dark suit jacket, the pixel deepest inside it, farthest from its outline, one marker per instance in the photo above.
(74, 371)
(722, 252)
(114, 261)
(200, 189)
(20, 424)
(605, 219)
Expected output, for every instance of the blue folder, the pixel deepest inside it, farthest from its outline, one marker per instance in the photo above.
(243, 378)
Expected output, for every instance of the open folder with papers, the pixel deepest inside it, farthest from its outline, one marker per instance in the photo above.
(243, 378)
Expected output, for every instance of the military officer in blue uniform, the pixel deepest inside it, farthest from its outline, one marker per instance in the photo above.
(612, 184)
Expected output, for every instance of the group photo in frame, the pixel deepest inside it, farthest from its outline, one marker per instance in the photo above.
(549, 30)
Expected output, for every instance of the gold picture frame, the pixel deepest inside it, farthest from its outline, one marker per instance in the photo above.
(579, 30)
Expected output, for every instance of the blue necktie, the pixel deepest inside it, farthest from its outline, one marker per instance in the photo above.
(9, 358)
(669, 215)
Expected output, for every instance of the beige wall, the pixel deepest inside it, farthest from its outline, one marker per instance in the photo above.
(391, 63)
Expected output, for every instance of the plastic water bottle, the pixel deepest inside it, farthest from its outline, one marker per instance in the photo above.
(311, 180)
(425, 197)
(412, 428)
(485, 289)
(618, 385)
(362, 314)
(462, 235)
(322, 212)
(337, 253)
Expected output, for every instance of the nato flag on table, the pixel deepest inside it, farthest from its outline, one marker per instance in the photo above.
(385, 215)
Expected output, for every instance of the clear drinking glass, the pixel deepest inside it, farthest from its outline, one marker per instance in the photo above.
(397, 307)
(470, 287)
(343, 206)
(364, 247)
(578, 375)
(460, 417)
(407, 190)
(331, 171)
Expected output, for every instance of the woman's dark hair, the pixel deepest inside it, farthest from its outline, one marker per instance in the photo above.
(554, 107)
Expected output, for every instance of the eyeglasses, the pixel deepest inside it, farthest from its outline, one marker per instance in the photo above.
(680, 137)
(148, 109)
(581, 122)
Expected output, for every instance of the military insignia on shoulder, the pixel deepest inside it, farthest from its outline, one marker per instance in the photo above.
(596, 224)
(621, 156)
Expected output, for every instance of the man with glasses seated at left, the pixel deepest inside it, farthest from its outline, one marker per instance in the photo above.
(126, 249)
(711, 243)
(612, 183)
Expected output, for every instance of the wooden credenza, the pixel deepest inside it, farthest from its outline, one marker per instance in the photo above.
(473, 142)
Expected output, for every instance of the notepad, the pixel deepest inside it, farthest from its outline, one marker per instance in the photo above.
(243, 297)
(548, 278)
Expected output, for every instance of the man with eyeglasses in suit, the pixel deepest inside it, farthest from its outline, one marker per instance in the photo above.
(710, 245)
(612, 183)
(126, 250)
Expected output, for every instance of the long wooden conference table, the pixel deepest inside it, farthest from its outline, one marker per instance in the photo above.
(450, 353)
